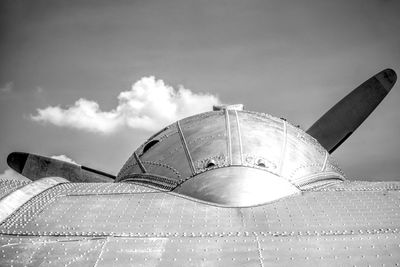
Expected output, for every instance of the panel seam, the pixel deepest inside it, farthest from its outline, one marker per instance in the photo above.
(139, 162)
(240, 137)
(185, 148)
(283, 147)
(101, 251)
(260, 257)
(229, 139)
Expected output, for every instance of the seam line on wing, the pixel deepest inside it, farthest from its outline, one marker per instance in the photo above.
(260, 257)
(101, 251)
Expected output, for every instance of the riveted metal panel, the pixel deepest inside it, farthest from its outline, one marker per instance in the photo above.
(303, 155)
(355, 250)
(263, 140)
(35, 205)
(9, 185)
(364, 186)
(227, 139)
(251, 249)
(104, 224)
(101, 189)
(181, 251)
(16, 199)
(167, 158)
(325, 212)
(131, 166)
(206, 138)
(45, 251)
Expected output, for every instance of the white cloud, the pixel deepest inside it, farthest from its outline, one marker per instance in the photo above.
(39, 90)
(149, 105)
(10, 174)
(7, 87)
(64, 158)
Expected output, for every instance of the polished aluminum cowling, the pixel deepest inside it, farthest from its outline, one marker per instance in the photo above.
(232, 158)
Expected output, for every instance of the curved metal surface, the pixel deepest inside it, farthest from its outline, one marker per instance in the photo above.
(229, 157)
(237, 186)
(9, 185)
(19, 197)
(80, 224)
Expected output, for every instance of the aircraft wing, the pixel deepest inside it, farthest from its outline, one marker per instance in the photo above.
(54, 222)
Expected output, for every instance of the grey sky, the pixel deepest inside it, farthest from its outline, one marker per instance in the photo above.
(292, 59)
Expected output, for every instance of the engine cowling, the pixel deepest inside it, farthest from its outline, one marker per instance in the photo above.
(231, 157)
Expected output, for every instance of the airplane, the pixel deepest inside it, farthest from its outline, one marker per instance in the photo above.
(228, 187)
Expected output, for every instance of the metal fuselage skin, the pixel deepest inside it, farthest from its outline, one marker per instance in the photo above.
(125, 224)
(232, 158)
(226, 188)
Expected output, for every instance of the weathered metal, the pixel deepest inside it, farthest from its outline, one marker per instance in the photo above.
(231, 157)
(17, 198)
(228, 187)
(123, 224)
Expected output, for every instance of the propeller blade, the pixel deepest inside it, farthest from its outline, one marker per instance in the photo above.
(336, 125)
(35, 167)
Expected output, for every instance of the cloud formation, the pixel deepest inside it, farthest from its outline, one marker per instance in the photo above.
(39, 90)
(7, 87)
(149, 105)
(64, 158)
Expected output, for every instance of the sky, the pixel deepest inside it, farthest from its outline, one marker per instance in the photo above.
(91, 80)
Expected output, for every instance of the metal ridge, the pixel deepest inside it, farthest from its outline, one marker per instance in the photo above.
(16, 199)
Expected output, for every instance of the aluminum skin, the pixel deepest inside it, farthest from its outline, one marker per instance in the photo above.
(224, 188)
(126, 224)
(232, 158)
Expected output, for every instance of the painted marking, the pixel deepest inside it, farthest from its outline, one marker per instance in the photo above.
(16, 199)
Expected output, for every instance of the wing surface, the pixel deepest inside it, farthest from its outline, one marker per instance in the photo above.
(125, 224)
